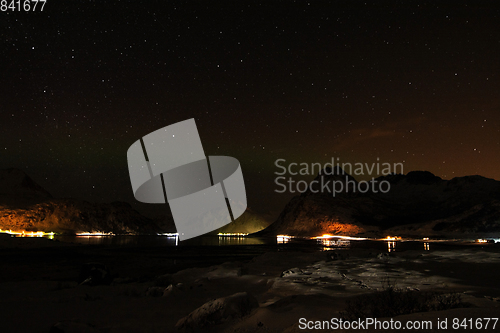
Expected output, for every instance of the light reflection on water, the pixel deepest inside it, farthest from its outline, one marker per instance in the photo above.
(123, 240)
(225, 240)
(391, 246)
(288, 242)
(332, 244)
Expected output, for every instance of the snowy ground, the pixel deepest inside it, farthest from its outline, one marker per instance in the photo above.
(38, 287)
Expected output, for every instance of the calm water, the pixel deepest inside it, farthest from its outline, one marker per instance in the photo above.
(123, 240)
(312, 244)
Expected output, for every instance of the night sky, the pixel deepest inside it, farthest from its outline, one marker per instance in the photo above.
(410, 82)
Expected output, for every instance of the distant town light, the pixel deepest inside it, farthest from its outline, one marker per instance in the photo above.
(237, 234)
(95, 234)
(24, 233)
(327, 236)
(282, 239)
(392, 238)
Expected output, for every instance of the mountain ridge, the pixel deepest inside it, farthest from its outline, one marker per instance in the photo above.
(417, 204)
(26, 206)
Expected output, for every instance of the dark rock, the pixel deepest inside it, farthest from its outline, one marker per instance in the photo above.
(155, 291)
(72, 326)
(334, 255)
(382, 255)
(294, 272)
(94, 274)
(422, 178)
(173, 290)
(163, 280)
(14, 182)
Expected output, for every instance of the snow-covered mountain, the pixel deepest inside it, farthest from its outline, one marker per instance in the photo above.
(26, 206)
(417, 204)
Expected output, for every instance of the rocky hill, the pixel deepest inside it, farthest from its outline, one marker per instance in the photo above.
(418, 204)
(16, 184)
(26, 206)
(249, 222)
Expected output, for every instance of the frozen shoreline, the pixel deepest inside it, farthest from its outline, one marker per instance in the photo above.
(39, 290)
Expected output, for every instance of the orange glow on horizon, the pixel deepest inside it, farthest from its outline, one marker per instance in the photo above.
(328, 236)
(392, 238)
(95, 234)
(24, 233)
